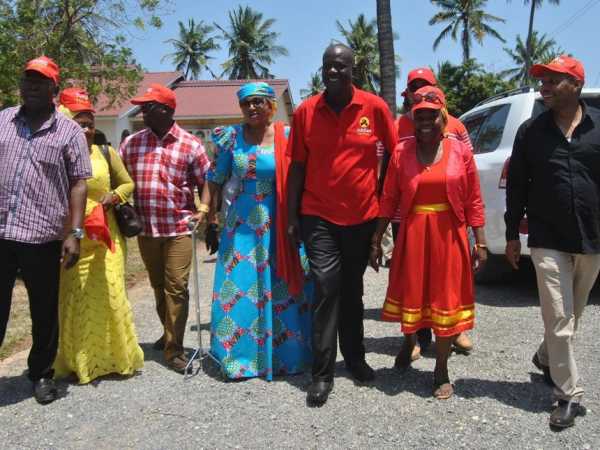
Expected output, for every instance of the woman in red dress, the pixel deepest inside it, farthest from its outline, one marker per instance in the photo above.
(433, 180)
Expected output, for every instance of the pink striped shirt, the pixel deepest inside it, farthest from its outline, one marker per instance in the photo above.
(36, 173)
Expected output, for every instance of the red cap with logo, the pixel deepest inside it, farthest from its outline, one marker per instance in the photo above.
(428, 97)
(561, 64)
(45, 66)
(76, 100)
(157, 93)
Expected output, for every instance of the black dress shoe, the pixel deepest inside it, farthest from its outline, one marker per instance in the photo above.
(318, 392)
(361, 371)
(545, 369)
(44, 390)
(564, 414)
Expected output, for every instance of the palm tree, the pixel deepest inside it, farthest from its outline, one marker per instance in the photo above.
(192, 49)
(315, 86)
(387, 57)
(252, 45)
(468, 17)
(361, 37)
(541, 50)
(534, 5)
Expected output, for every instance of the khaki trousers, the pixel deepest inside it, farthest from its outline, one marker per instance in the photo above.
(168, 260)
(564, 283)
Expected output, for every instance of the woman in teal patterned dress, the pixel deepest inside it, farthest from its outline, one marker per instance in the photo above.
(261, 307)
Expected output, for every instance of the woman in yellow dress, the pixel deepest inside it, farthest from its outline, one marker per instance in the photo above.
(97, 335)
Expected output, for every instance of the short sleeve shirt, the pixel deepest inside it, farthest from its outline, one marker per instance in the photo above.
(37, 170)
(340, 155)
(165, 172)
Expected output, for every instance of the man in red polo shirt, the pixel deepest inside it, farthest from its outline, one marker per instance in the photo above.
(405, 128)
(332, 195)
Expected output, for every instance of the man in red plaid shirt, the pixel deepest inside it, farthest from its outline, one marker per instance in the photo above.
(166, 162)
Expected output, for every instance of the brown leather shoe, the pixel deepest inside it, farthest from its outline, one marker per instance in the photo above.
(178, 363)
(463, 344)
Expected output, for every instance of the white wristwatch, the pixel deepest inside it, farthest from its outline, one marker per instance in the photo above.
(77, 233)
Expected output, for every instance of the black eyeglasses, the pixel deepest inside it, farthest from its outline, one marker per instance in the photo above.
(257, 102)
(149, 106)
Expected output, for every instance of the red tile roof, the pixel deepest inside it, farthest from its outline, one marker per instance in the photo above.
(165, 78)
(207, 98)
(214, 98)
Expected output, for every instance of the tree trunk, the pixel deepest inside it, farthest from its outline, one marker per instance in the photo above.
(387, 59)
(529, 39)
(466, 44)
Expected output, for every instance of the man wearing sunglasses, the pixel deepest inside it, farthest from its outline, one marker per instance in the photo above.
(417, 78)
(554, 178)
(44, 162)
(333, 204)
(166, 164)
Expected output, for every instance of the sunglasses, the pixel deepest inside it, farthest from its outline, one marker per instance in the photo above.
(430, 97)
(149, 106)
(257, 102)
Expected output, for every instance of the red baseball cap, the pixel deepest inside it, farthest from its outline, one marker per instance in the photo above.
(45, 66)
(422, 73)
(157, 93)
(428, 97)
(560, 64)
(96, 227)
(76, 100)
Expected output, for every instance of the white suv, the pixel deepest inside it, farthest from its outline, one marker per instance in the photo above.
(492, 126)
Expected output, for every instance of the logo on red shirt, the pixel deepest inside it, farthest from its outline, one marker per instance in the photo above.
(363, 126)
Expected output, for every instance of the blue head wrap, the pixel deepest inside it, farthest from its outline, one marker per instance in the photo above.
(255, 89)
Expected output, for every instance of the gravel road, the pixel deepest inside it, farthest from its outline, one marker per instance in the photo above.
(500, 401)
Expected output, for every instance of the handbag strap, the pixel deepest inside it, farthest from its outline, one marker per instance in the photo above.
(106, 153)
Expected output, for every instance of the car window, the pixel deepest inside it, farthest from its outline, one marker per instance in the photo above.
(473, 124)
(491, 130)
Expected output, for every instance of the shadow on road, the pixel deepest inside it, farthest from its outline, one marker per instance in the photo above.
(18, 388)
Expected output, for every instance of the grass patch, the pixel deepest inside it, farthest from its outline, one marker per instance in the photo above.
(18, 333)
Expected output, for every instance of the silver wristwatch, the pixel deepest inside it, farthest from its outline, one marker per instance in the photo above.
(77, 233)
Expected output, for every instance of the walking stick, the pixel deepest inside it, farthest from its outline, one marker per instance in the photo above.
(199, 353)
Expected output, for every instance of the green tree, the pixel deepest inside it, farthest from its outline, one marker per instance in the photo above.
(315, 86)
(387, 57)
(467, 17)
(529, 43)
(83, 36)
(543, 49)
(361, 37)
(467, 84)
(252, 45)
(192, 49)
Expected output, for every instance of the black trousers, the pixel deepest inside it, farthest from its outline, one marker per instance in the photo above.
(39, 267)
(424, 335)
(338, 257)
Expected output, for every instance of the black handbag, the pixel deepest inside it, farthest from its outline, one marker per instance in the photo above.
(127, 217)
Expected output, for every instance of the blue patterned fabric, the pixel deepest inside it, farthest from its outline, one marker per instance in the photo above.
(257, 328)
(259, 88)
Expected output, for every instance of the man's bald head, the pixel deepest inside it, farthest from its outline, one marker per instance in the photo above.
(338, 60)
(339, 50)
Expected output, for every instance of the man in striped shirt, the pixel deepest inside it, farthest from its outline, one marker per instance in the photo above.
(166, 163)
(44, 162)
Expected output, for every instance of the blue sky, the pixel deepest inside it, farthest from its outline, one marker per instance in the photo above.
(306, 27)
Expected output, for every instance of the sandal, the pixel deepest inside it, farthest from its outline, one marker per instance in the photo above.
(443, 390)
